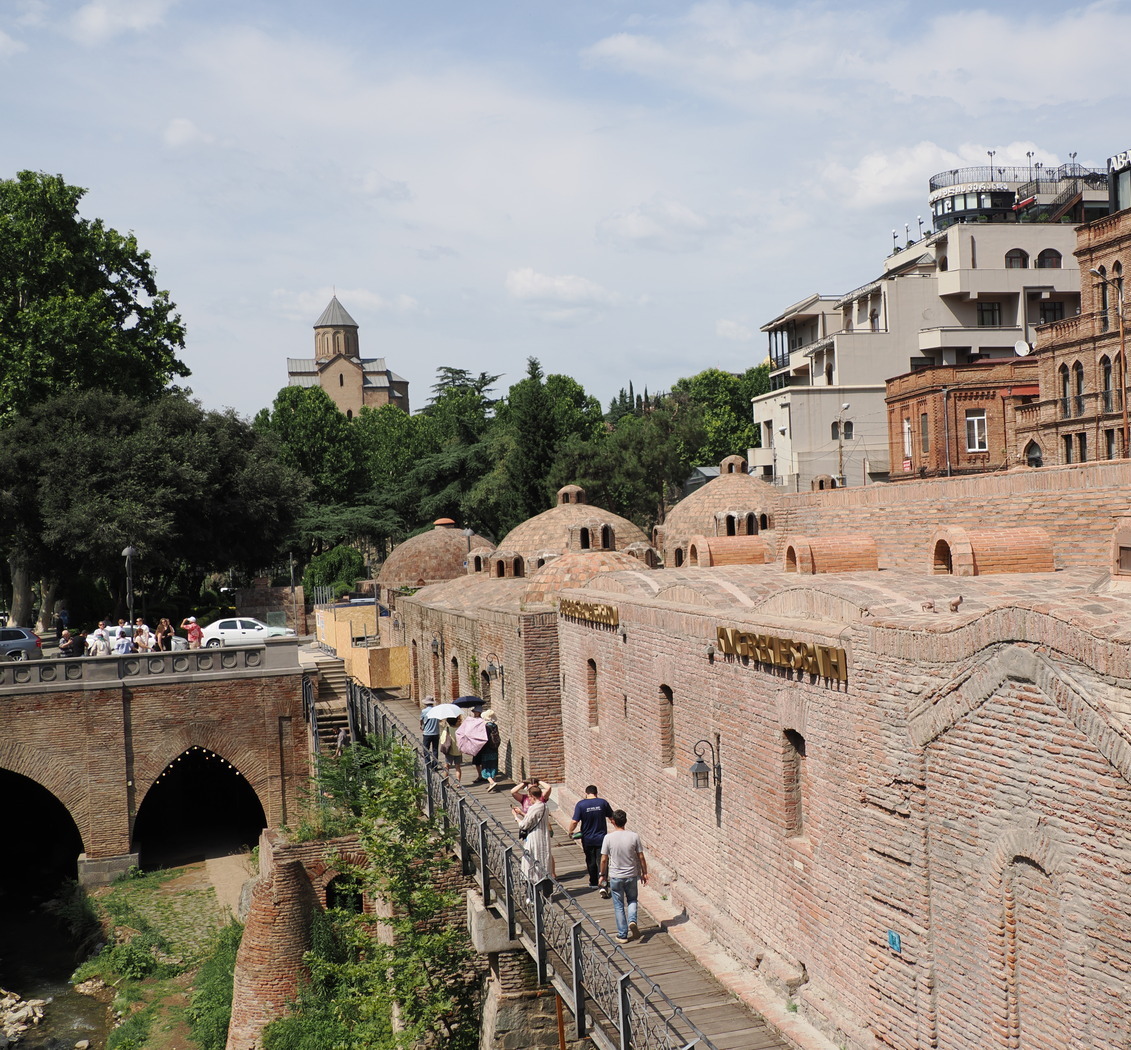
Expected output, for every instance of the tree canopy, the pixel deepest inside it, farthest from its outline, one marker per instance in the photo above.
(79, 302)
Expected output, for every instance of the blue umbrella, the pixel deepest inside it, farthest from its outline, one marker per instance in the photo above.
(469, 701)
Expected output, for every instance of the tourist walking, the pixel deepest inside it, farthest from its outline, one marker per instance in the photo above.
(472, 737)
(591, 813)
(489, 755)
(193, 630)
(624, 866)
(537, 843)
(430, 728)
(523, 794)
(340, 743)
(449, 748)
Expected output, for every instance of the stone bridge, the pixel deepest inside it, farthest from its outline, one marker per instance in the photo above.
(105, 734)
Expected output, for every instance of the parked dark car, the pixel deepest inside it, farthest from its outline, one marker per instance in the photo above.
(20, 643)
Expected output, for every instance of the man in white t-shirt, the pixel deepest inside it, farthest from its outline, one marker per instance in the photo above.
(623, 865)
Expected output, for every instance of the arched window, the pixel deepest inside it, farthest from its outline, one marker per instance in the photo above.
(764, 521)
(1065, 408)
(518, 568)
(565, 497)
(751, 524)
(343, 893)
(591, 690)
(1049, 259)
(606, 537)
(829, 374)
(793, 795)
(732, 528)
(791, 558)
(1105, 380)
(500, 569)
(848, 430)
(1078, 387)
(1034, 457)
(1105, 321)
(835, 430)
(477, 563)
(453, 681)
(583, 539)
(1117, 277)
(943, 561)
(349, 413)
(678, 557)
(942, 264)
(1016, 259)
(667, 727)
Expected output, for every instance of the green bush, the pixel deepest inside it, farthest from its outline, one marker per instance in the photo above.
(210, 1008)
(339, 567)
(132, 1033)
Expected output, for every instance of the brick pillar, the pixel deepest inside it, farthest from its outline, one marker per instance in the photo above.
(517, 1012)
(269, 962)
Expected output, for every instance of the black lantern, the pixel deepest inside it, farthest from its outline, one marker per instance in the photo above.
(700, 771)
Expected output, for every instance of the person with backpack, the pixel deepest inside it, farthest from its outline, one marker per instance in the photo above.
(489, 755)
(450, 749)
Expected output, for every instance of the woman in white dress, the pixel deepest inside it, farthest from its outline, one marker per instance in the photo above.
(537, 861)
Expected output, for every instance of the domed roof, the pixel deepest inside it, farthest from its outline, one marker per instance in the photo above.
(560, 528)
(697, 514)
(575, 569)
(440, 554)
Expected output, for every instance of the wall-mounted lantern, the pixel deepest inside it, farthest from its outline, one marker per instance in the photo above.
(494, 668)
(700, 771)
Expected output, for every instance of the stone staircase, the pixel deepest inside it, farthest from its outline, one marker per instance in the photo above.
(330, 704)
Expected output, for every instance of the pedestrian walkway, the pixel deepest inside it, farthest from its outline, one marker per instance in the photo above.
(718, 1014)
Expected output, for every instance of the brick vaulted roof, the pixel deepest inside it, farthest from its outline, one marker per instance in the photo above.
(439, 554)
(550, 530)
(695, 514)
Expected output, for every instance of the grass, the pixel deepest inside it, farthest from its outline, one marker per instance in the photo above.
(161, 928)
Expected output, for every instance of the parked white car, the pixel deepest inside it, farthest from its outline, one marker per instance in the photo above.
(240, 630)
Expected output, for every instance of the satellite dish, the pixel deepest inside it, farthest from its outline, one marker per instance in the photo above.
(1022, 348)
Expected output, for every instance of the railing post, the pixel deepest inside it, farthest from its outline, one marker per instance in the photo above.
(444, 806)
(464, 852)
(430, 798)
(624, 1021)
(484, 871)
(535, 890)
(508, 891)
(578, 989)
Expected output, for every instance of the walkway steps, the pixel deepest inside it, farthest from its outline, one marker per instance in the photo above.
(330, 703)
(723, 1018)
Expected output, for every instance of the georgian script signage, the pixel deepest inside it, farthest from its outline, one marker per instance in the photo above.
(593, 612)
(825, 661)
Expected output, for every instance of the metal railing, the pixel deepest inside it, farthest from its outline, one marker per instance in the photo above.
(571, 951)
(1016, 173)
(310, 712)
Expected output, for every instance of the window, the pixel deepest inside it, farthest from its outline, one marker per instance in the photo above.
(732, 528)
(1049, 259)
(1016, 259)
(976, 437)
(835, 430)
(1105, 379)
(1078, 387)
(584, 539)
(606, 537)
(667, 727)
(1105, 321)
(793, 793)
(848, 430)
(1109, 444)
(924, 433)
(1067, 439)
(1033, 455)
(907, 438)
(1051, 310)
(453, 680)
(1082, 447)
(1064, 388)
(989, 315)
(591, 688)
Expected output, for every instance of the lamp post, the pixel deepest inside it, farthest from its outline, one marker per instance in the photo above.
(840, 444)
(1118, 286)
(129, 554)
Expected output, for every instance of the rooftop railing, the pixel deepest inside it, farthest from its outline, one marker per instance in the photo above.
(1016, 173)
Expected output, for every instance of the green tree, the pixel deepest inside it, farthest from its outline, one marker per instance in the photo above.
(79, 302)
(338, 567)
(724, 398)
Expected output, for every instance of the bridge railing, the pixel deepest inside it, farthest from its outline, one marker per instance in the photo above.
(571, 951)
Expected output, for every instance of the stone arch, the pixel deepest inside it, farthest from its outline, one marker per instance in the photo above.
(822, 482)
(732, 465)
(321, 873)
(64, 781)
(956, 551)
(252, 767)
(828, 554)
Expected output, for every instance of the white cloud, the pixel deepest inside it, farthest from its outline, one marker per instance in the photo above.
(900, 174)
(100, 20)
(308, 305)
(733, 330)
(183, 132)
(566, 299)
(9, 45)
(374, 184)
(659, 225)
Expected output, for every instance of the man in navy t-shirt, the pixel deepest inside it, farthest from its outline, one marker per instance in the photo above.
(591, 813)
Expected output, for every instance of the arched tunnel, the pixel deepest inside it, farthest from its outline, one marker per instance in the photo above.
(200, 806)
(42, 842)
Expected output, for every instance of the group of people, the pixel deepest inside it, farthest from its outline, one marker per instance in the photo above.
(473, 735)
(136, 637)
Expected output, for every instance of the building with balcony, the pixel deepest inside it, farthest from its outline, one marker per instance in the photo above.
(1081, 414)
(972, 292)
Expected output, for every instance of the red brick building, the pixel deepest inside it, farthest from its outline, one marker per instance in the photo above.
(958, 419)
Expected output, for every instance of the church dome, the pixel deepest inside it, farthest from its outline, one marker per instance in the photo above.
(440, 554)
(573, 525)
(575, 569)
(733, 504)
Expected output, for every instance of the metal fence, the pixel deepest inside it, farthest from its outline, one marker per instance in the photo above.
(613, 1001)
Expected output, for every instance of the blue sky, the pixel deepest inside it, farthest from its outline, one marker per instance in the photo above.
(625, 191)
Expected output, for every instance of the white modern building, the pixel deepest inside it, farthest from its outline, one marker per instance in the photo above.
(975, 289)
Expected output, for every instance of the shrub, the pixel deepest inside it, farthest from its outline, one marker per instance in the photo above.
(210, 1008)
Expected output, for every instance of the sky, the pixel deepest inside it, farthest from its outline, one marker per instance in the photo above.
(624, 190)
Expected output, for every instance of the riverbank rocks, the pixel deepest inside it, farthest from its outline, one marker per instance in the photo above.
(17, 1016)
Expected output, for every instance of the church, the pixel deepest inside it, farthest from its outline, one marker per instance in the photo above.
(351, 381)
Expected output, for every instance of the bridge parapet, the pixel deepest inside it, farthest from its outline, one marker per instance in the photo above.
(275, 656)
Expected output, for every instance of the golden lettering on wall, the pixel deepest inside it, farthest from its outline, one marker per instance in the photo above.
(824, 661)
(594, 612)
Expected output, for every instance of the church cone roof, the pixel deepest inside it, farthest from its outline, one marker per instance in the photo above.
(335, 316)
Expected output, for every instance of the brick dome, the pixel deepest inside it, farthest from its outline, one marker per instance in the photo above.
(575, 569)
(733, 504)
(573, 525)
(432, 556)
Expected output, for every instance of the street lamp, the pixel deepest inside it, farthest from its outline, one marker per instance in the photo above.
(129, 554)
(1118, 286)
(700, 771)
(840, 444)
